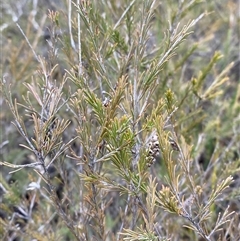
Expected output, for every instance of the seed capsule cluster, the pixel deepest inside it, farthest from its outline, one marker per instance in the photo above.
(153, 150)
(173, 144)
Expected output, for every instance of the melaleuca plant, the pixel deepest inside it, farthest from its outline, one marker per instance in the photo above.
(123, 125)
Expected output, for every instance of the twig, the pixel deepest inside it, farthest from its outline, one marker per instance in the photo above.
(125, 215)
(3, 144)
(37, 58)
(20, 166)
(79, 43)
(124, 13)
(70, 24)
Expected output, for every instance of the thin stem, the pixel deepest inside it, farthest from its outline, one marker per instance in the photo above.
(70, 24)
(28, 42)
(79, 43)
(125, 215)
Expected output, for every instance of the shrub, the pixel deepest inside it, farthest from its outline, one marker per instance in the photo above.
(128, 121)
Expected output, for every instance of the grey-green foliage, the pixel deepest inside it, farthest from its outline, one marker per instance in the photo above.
(135, 128)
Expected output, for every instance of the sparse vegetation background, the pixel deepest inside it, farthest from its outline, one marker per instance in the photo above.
(120, 120)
